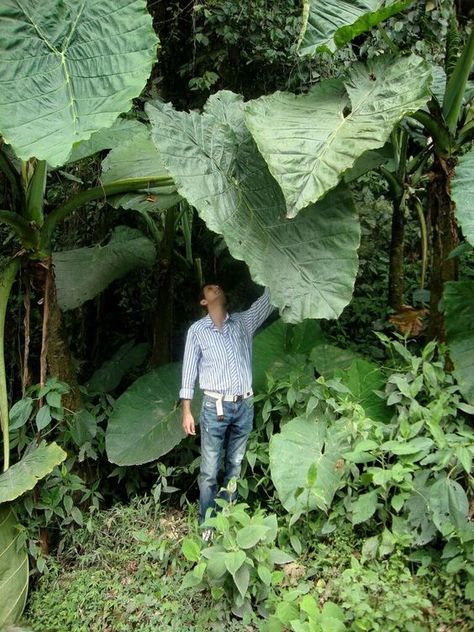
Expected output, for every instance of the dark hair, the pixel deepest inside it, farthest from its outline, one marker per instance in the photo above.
(201, 289)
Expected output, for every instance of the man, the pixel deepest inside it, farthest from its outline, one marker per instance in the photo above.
(219, 350)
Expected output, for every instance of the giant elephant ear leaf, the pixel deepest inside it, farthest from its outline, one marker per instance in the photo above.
(463, 194)
(68, 69)
(277, 343)
(310, 263)
(122, 131)
(83, 273)
(13, 568)
(329, 24)
(137, 158)
(303, 444)
(24, 475)
(458, 304)
(310, 140)
(146, 420)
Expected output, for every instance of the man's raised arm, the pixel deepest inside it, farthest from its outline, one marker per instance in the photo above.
(258, 312)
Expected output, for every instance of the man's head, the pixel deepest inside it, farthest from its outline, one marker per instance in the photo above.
(211, 294)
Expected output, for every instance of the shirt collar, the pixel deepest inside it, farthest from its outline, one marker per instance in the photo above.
(209, 322)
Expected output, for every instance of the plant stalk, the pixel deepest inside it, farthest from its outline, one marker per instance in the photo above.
(113, 188)
(6, 281)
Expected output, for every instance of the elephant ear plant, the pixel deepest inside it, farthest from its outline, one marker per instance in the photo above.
(67, 71)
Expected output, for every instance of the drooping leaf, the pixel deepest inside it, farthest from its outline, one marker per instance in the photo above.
(83, 273)
(138, 158)
(458, 302)
(146, 420)
(110, 374)
(275, 343)
(309, 264)
(329, 24)
(310, 140)
(68, 69)
(301, 444)
(364, 507)
(328, 359)
(24, 475)
(409, 321)
(462, 186)
(364, 378)
(14, 572)
(121, 132)
(449, 505)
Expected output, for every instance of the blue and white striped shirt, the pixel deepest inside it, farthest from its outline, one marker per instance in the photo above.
(223, 357)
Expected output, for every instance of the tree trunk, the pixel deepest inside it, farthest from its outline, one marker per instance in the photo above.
(55, 349)
(396, 268)
(163, 319)
(444, 238)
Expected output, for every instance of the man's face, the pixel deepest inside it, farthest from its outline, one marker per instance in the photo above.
(213, 295)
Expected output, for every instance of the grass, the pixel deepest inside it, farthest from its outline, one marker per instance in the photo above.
(125, 574)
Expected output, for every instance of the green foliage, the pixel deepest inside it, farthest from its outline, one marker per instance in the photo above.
(23, 476)
(237, 197)
(83, 273)
(406, 480)
(346, 118)
(242, 561)
(463, 193)
(459, 312)
(124, 571)
(145, 422)
(13, 567)
(60, 40)
(329, 25)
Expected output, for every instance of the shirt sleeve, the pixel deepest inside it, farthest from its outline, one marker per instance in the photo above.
(190, 367)
(258, 312)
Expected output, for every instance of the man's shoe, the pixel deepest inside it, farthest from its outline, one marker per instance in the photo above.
(207, 535)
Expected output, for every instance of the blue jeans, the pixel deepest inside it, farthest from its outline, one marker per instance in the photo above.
(226, 437)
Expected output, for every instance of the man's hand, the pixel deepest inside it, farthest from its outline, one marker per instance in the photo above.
(188, 419)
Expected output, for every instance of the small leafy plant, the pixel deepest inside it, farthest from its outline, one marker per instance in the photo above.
(242, 563)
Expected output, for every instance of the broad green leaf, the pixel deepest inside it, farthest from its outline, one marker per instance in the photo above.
(191, 550)
(14, 572)
(310, 140)
(364, 507)
(328, 359)
(43, 417)
(418, 444)
(110, 374)
(122, 131)
(449, 505)
(301, 444)
(24, 475)
(20, 413)
(249, 536)
(83, 427)
(364, 378)
(146, 420)
(68, 69)
(83, 273)
(462, 186)
(368, 161)
(234, 560)
(242, 579)
(138, 158)
(273, 345)
(458, 302)
(329, 24)
(309, 264)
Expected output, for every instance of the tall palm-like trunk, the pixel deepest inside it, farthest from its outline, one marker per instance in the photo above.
(56, 357)
(396, 267)
(444, 238)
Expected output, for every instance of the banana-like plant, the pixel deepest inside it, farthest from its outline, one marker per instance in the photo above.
(67, 71)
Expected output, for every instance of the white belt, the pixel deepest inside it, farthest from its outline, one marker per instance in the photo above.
(219, 397)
